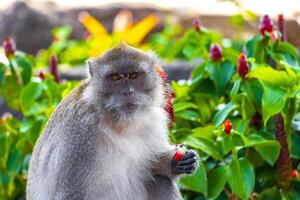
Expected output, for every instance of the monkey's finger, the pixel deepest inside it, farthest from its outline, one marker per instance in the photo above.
(188, 169)
(189, 154)
(188, 161)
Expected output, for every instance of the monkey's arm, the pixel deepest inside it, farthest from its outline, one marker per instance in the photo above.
(167, 165)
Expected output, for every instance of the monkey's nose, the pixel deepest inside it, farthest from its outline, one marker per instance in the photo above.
(127, 91)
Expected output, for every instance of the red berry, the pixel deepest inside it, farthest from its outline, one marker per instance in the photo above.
(53, 68)
(42, 75)
(216, 52)
(243, 66)
(179, 154)
(9, 46)
(281, 27)
(265, 24)
(227, 126)
(295, 173)
(197, 24)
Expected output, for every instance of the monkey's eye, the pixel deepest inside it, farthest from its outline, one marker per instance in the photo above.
(116, 77)
(133, 75)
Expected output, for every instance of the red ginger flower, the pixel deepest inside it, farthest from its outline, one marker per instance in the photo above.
(216, 52)
(243, 66)
(9, 46)
(169, 108)
(42, 75)
(197, 24)
(53, 68)
(295, 173)
(227, 126)
(265, 24)
(281, 27)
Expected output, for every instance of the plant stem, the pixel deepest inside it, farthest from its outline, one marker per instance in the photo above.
(284, 162)
(13, 71)
(289, 120)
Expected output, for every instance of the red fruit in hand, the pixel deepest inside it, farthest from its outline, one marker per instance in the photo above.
(243, 66)
(197, 24)
(179, 154)
(265, 24)
(9, 47)
(215, 52)
(227, 126)
(295, 173)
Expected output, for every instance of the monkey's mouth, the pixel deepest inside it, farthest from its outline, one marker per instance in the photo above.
(128, 107)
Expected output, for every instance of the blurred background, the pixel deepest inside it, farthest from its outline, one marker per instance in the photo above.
(233, 70)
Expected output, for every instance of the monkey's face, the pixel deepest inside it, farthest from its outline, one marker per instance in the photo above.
(126, 80)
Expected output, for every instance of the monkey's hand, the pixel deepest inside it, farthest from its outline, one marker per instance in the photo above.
(184, 162)
(172, 164)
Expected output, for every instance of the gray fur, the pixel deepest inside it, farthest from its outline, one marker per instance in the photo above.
(91, 150)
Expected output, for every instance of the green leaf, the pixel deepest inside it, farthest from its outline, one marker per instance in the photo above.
(235, 88)
(29, 96)
(267, 149)
(196, 182)
(204, 145)
(216, 181)
(279, 78)
(254, 91)
(241, 178)
(25, 65)
(183, 106)
(11, 90)
(188, 115)
(221, 115)
(2, 72)
(220, 74)
(295, 147)
(273, 101)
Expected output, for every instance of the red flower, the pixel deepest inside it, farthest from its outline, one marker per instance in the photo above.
(265, 24)
(169, 108)
(243, 66)
(197, 24)
(216, 52)
(227, 126)
(162, 74)
(295, 173)
(42, 75)
(281, 27)
(53, 68)
(9, 46)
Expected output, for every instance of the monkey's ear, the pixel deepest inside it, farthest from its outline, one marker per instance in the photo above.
(89, 68)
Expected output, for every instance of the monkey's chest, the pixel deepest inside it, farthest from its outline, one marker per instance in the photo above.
(125, 171)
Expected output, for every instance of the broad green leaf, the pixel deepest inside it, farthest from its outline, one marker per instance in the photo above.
(11, 90)
(220, 74)
(241, 178)
(180, 90)
(204, 132)
(254, 91)
(235, 88)
(26, 68)
(267, 149)
(203, 144)
(2, 72)
(295, 147)
(279, 78)
(188, 115)
(196, 182)
(227, 144)
(216, 181)
(29, 96)
(221, 115)
(183, 106)
(273, 101)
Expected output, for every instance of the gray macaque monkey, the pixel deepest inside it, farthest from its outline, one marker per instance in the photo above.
(108, 139)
